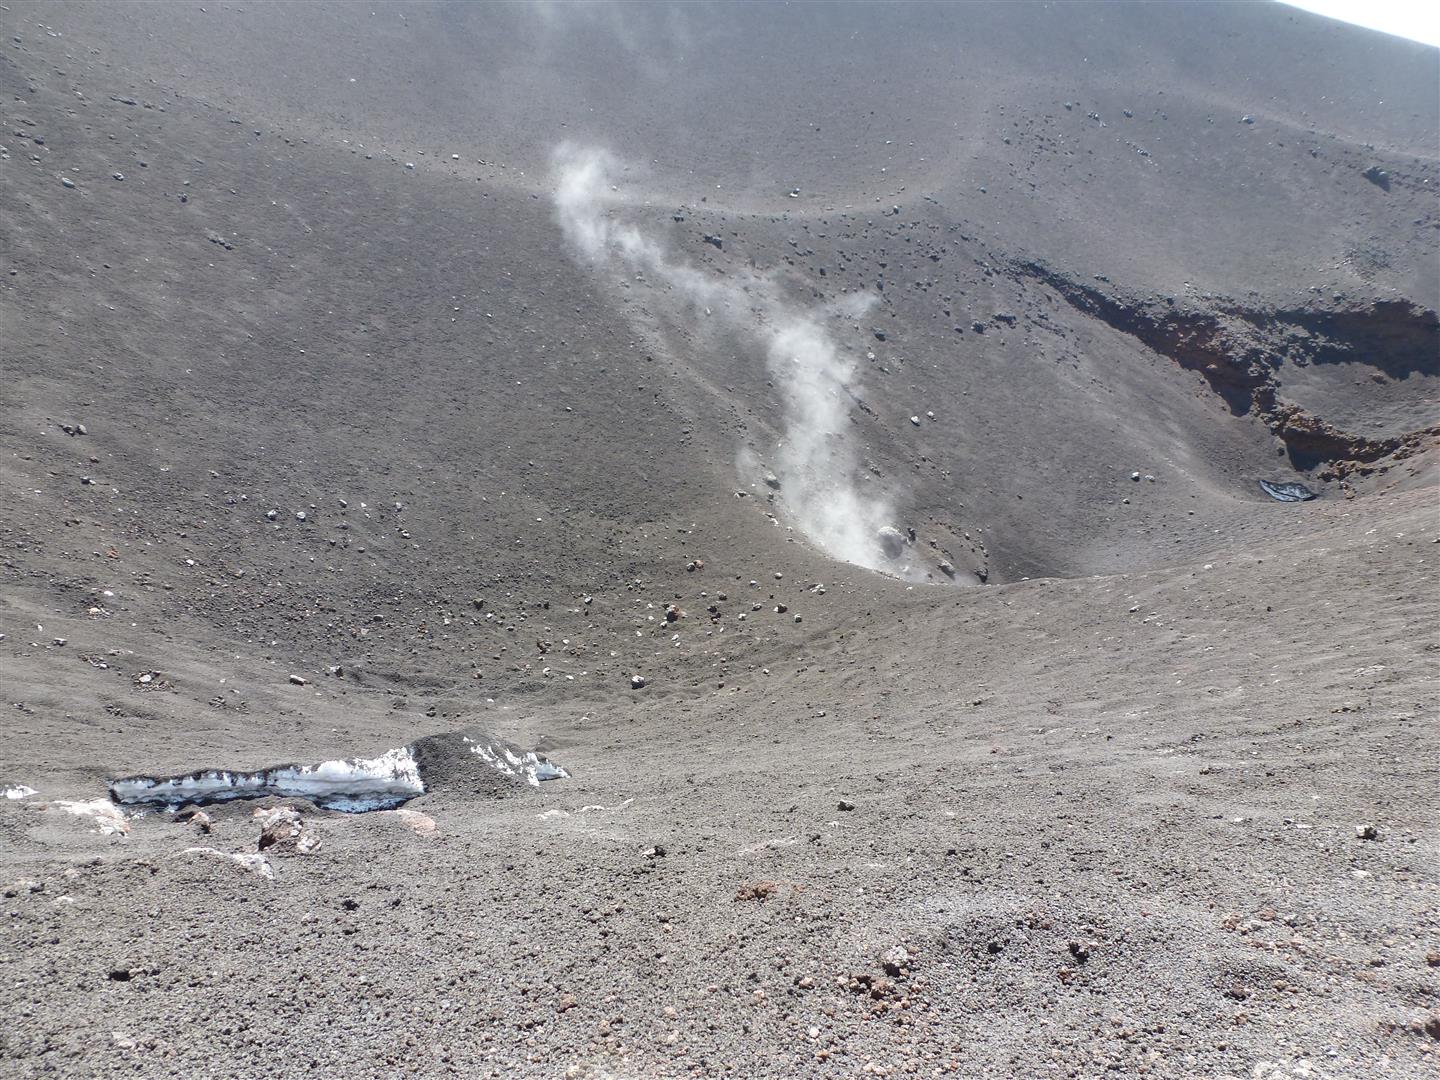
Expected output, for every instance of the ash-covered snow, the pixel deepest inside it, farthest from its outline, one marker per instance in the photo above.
(353, 786)
(530, 765)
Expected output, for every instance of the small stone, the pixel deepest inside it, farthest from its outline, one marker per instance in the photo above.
(271, 515)
(915, 420)
(67, 182)
(298, 680)
(1135, 475)
(1247, 119)
(118, 175)
(62, 642)
(1367, 832)
(300, 515)
(637, 682)
(845, 804)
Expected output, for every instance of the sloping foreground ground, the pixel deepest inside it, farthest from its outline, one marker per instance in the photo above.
(1177, 822)
(319, 439)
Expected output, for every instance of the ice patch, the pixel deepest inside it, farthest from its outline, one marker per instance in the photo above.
(530, 765)
(353, 786)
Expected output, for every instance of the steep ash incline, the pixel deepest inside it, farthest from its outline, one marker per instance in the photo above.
(329, 427)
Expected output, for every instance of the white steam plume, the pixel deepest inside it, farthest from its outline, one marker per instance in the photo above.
(816, 462)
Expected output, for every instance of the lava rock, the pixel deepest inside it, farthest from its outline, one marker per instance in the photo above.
(892, 541)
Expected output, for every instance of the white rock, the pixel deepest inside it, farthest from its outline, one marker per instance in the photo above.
(421, 824)
(103, 812)
(255, 863)
(892, 541)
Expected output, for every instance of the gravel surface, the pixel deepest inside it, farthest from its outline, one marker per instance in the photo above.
(323, 434)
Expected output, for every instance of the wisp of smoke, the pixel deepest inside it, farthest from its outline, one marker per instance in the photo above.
(816, 461)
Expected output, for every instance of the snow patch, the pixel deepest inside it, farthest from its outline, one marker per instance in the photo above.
(18, 791)
(352, 786)
(530, 765)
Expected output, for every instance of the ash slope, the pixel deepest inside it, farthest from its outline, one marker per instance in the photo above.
(506, 463)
